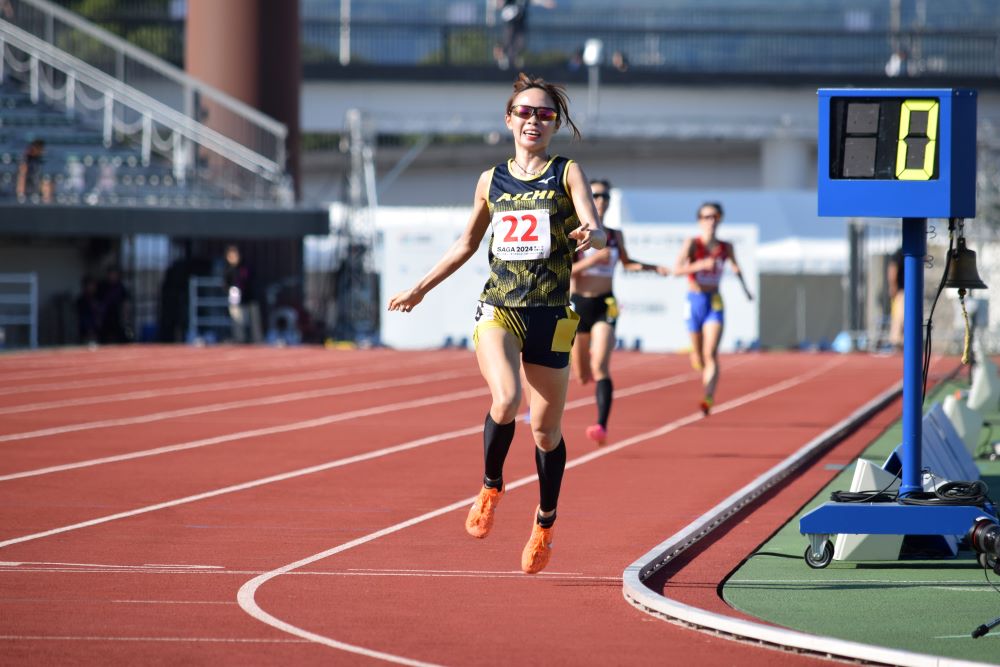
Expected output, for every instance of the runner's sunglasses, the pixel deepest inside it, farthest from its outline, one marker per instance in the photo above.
(525, 111)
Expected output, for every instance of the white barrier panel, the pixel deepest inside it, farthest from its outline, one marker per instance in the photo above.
(652, 307)
(411, 241)
(869, 477)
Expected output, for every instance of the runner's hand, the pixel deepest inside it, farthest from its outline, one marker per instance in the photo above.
(406, 300)
(587, 237)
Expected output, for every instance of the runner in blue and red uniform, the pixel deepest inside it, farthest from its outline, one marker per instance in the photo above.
(702, 259)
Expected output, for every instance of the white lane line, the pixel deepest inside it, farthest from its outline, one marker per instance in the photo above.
(127, 366)
(235, 405)
(413, 444)
(94, 638)
(190, 389)
(430, 574)
(624, 393)
(111, 565)
(247, 592)
(223, 602)
(272, 430)
(283, 476)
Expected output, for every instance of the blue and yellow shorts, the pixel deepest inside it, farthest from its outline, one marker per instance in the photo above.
(594, 309)
(702, 308)
(545, 333)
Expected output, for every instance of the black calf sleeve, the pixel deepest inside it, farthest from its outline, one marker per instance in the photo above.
(496, 444)
(604, 389)
(550, 466)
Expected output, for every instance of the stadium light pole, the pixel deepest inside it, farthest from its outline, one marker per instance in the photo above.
(593, 53)
(345, 32)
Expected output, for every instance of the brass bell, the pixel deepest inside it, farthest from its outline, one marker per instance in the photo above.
(962, 272)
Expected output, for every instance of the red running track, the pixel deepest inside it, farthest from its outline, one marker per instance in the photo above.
(166, 505)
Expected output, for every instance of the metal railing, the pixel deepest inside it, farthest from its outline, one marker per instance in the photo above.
(157, 78)
(19, 306)
(707, 50)
(197, 152)
(208, 310)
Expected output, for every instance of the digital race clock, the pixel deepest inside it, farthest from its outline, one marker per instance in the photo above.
(897, 153)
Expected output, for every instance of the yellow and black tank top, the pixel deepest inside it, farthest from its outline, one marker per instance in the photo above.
(519, 210)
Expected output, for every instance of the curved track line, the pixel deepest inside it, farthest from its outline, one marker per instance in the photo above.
(645, 599)
(232, 405)
(247, 592)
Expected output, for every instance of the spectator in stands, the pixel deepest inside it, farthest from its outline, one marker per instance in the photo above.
(116, 308)
(31, 182)
(898, 63)
(514, 17)
(619, 61)
(88, 311)
(107, 180)
(575, 62)
(76, 181)
(243, 306)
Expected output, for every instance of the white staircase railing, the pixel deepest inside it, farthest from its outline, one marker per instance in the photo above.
(143, 71)
(201, 156)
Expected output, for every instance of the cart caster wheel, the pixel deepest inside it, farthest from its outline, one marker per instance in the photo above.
(823, 560)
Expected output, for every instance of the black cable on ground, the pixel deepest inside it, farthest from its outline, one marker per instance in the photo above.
(951, 493)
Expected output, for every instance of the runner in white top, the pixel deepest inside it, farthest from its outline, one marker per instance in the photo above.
(594, 301)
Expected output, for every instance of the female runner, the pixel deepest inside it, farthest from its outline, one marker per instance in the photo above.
(593, 299)
(702, 259)
(539, 211)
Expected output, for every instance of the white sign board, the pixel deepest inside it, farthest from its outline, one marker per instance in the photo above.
(412, 240)
(652, 307)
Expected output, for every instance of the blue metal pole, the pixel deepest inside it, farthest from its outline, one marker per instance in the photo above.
(914, 250)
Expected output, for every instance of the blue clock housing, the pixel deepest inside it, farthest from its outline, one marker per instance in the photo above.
(897, 152)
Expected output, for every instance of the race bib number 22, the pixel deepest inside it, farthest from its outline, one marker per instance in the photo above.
(521, 235)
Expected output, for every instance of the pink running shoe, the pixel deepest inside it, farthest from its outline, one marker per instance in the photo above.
(598, 434)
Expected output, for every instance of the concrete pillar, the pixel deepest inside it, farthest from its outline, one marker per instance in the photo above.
(280, 78)
(250, 50)
(786, 164)
(222, 46)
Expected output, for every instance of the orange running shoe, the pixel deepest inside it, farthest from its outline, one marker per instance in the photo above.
(597, 433)
(538, 550)
(480, 519)
(706, 405)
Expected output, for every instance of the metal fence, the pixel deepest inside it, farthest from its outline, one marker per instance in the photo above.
(960, 38)
(18, 310)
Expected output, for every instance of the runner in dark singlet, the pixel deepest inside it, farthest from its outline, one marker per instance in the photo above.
(594, 300)
(539, 211)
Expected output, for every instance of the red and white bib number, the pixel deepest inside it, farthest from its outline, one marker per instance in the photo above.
(519, 235)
